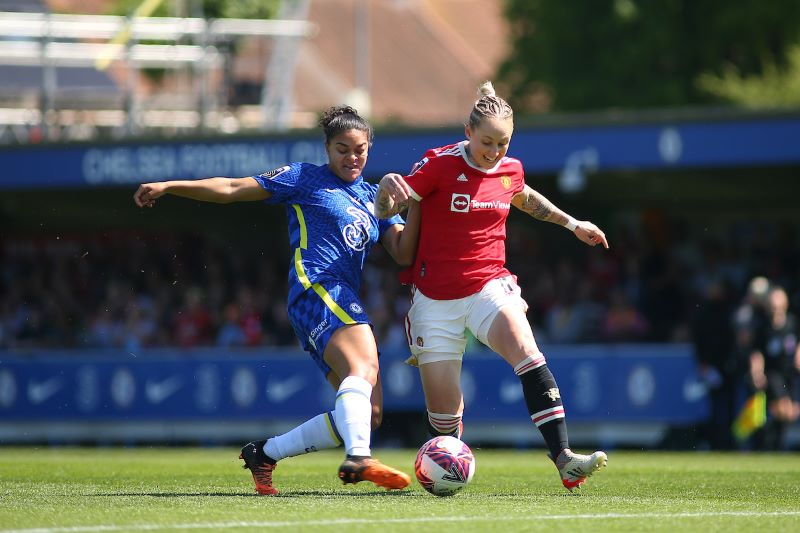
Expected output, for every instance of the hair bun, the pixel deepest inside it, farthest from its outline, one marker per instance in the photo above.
(486, 89)
(333, 112)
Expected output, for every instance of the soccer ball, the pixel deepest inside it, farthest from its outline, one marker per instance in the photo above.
(444, 466)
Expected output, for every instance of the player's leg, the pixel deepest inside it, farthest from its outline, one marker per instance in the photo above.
(441, 384)
(510, 335)
(318, 433)
(377, 404)
(506, 331)
(315, 322)
(351, 352)
(436, 339)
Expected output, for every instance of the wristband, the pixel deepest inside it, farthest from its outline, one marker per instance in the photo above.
(571, 224)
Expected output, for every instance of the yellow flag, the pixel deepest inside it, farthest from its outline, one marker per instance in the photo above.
(752, 416)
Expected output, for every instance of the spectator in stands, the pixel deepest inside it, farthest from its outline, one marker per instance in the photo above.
(192, 322)
(140, 328)
(461, 282)
(332, 228)
(231, 332)
(774, 366)
(70, 279)
(623, 321)
(576, 316)
(249, 316)
(105, 328)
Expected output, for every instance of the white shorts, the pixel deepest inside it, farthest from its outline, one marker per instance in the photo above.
(436, 329)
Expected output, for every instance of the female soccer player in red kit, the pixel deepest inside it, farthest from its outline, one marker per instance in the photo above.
(460, 280)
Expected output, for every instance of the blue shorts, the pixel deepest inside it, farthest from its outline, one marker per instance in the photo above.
(318, 312)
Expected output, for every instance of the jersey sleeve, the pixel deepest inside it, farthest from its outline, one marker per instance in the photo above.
(386, 223)
(282, 182)
(422, 178)
(519, 181)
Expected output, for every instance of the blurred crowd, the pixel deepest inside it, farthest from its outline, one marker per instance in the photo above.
(731, 291)
(133, 289)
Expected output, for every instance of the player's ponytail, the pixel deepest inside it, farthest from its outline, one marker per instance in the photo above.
(338, 119)
(489, 105)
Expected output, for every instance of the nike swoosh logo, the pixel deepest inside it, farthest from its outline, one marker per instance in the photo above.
(279, 391)
(511, 391)
(42, 391)
(158, 391)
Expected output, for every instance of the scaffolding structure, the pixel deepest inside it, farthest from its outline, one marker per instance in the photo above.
(82, 47)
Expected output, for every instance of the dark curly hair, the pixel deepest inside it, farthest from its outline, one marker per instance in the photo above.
(338, 119)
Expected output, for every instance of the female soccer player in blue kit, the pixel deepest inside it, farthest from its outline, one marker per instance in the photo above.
(332, 227)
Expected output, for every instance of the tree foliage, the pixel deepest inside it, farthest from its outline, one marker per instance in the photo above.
(252, 9)
(773, 88)
(644, 53)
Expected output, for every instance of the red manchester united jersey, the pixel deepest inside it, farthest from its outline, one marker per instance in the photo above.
(464, 212)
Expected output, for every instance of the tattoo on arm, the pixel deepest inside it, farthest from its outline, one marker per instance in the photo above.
(385, 207)
(540, 207)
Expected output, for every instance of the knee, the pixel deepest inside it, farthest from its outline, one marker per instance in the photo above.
(371, 374)
(369, 370)
(366, 370)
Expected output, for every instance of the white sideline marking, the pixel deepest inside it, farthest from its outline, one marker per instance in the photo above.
(364, 521)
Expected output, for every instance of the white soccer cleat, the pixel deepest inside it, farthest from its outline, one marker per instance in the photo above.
(575, 468)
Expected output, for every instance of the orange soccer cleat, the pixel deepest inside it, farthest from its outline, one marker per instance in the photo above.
(261, 466)
(355, 469)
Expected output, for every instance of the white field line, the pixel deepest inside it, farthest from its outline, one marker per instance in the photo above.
(379, 521)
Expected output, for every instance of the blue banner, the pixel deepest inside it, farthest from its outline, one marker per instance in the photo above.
(160, 385)
(670, 144)
(640, 383)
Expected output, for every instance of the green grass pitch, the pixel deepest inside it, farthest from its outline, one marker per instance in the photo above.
(73, 490)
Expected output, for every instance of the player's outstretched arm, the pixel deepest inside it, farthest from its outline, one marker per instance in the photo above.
(540, 208)
(392, 196)
(401, 240)
(218, 190)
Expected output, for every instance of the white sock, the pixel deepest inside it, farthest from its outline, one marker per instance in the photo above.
(445, 424)
(319, 433)
(353, 414)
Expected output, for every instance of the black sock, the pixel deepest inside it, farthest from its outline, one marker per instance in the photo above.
(544, 401)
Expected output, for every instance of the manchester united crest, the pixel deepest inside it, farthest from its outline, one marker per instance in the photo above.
(506, 181)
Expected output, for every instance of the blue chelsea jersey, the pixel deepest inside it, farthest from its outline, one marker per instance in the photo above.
(332, 226)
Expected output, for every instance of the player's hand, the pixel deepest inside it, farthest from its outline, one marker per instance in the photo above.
(590, 234)
(396, 187)
(146, 194)
(392, 197)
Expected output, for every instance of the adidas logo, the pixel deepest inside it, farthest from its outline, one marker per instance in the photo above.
(462, 177)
